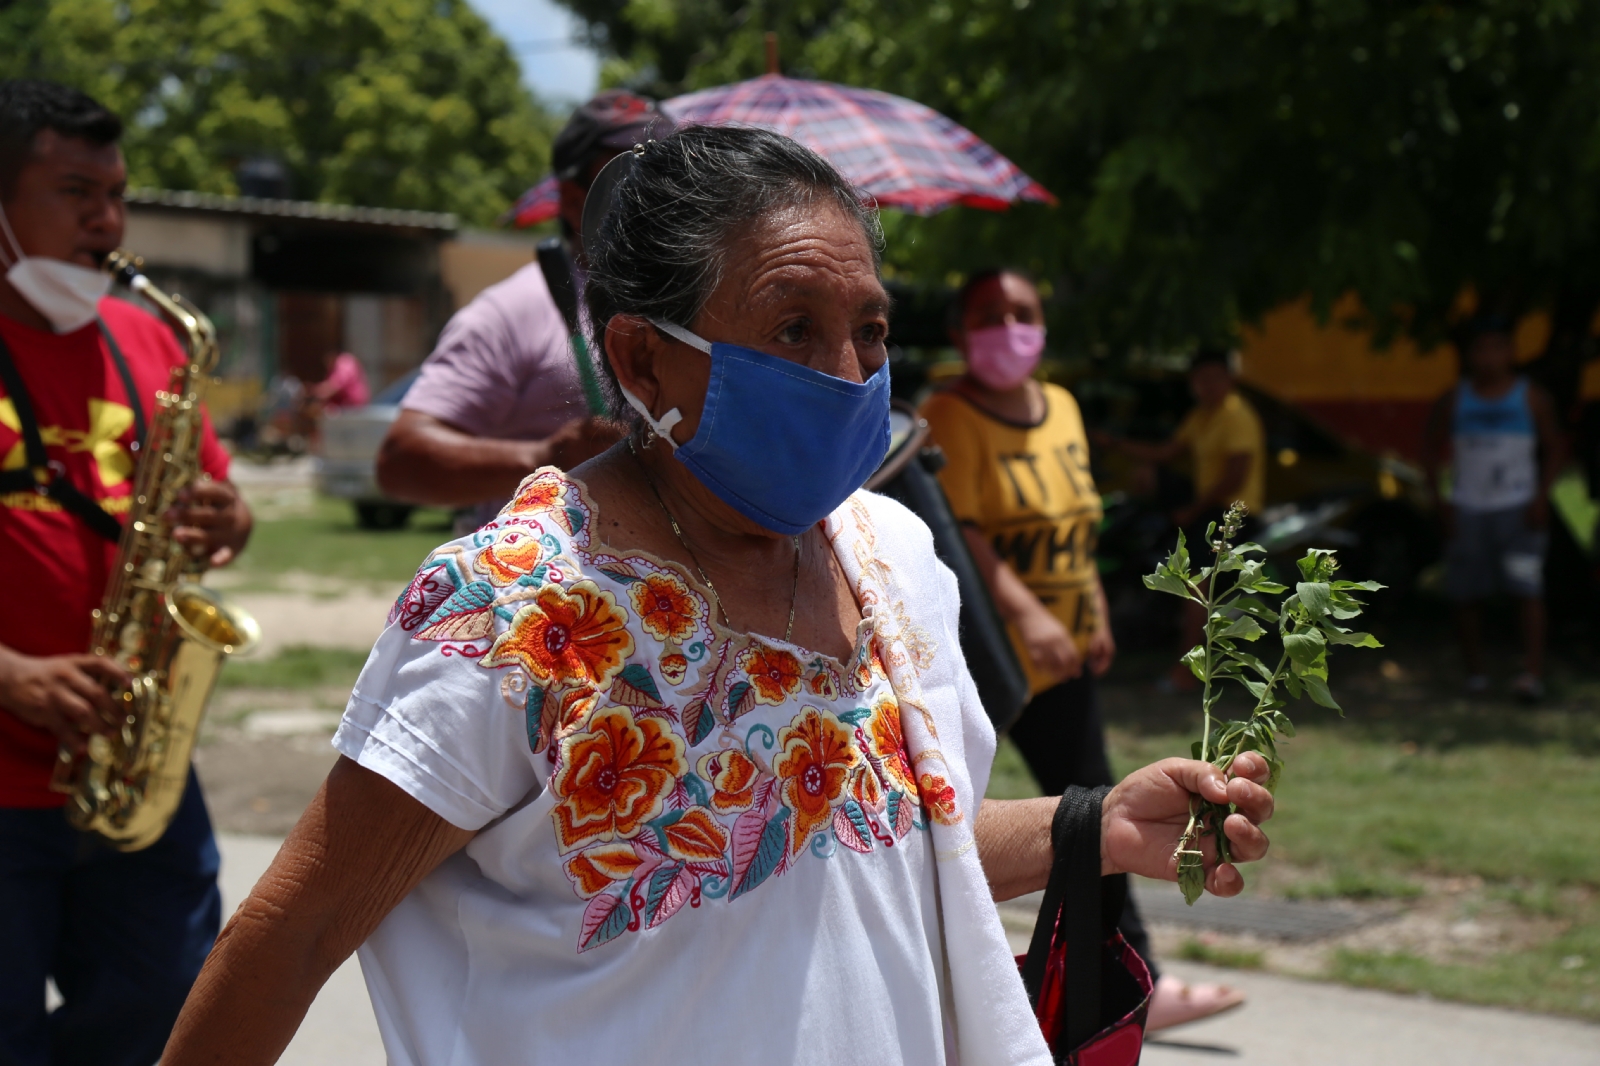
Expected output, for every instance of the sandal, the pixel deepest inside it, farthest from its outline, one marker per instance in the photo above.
(1175, 1002)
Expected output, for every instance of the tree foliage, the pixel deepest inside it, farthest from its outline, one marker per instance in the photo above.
(1216, 157)
(392, 103)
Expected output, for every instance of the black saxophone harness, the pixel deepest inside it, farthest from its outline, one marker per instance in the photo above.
(48, 477)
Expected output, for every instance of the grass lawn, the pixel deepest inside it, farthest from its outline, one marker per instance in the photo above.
(295, 668)
(322, 538)
(1364, 814)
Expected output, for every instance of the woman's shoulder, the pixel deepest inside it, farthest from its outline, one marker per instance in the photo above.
(536, 539)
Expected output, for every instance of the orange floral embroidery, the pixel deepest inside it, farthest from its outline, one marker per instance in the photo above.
(674, 668)
(538, 494)
(593, 870)
(814, 764)
(577, 636)
(889, 743)
(868, 791)
(732, 775)
(696, 837)
(775, 674)
(824, 682)
(938, 799)
(515, 554)
(666, 607)
(614, 777)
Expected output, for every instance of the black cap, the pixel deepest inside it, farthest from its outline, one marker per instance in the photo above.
(614, 120)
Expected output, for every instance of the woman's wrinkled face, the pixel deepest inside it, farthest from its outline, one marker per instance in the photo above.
(800, 284)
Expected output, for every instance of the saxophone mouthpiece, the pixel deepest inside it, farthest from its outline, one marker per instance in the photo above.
(126, 268)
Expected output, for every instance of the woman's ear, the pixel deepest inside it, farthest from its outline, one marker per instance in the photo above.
(631, 349)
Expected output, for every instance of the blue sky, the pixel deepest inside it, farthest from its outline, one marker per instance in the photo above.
(561, 74)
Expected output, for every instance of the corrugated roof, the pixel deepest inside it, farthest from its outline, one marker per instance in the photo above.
(307, 210)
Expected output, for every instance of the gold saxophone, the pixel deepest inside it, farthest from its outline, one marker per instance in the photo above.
(155, 620)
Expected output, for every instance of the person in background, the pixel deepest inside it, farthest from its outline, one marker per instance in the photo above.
(1228, 449)
(500, 395)
(1506, 448)
(122, 934)
(1018, 479)
(345, 385)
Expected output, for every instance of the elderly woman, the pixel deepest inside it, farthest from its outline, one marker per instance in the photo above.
(678, 760)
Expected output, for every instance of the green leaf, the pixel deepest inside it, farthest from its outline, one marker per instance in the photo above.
(1271, 588)
(1368, 586)
(1195, 660)
(1191, 876)
(1318, 688)
(1163, 581)
(1355, 640)
(1253, 663)
(1252, 606)
(1303, 648)
(1292, 683)
(1315, 596)
(1244, 628)
(1257, 689)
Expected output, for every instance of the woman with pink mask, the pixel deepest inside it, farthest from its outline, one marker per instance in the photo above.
(1018, 479)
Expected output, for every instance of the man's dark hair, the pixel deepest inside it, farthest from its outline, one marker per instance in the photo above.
(28, 106)
(660, 248)
(1209, 356)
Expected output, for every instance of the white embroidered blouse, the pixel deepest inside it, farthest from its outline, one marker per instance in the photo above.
(696, 845)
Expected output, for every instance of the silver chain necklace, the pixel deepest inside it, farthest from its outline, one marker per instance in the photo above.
(794, 592)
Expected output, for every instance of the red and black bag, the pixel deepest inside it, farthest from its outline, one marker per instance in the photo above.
(1091, 1004)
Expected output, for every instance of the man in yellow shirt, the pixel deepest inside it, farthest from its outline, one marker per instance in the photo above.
(1224, 438)
(1017, 477)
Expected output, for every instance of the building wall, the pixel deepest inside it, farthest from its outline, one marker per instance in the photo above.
(475, 259)
(1378, 398)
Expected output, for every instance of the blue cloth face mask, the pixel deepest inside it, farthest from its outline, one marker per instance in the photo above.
(778, 442)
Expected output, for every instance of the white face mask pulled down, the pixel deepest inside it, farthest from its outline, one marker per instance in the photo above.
(66, 294)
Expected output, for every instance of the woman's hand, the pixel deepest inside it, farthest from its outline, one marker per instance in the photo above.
(1052, 649)
(1144, 816)
(1102, 649)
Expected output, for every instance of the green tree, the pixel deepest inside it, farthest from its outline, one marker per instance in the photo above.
(390, 103)
(1217, 157)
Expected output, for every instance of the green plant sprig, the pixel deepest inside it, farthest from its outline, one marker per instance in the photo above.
(1308, 623)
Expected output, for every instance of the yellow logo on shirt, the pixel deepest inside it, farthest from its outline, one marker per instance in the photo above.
(108, 422)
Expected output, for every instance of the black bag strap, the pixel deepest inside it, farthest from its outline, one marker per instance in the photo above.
(1075, 902)
(131, 387)
(39, 474)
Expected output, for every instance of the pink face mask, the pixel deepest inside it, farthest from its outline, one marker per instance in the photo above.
(1003, 357)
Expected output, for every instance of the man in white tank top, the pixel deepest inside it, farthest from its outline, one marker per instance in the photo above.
(1501, 433)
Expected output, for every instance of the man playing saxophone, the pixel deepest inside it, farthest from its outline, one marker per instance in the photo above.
(121, 933)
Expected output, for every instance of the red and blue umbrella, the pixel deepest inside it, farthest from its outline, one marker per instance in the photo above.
(899, 152)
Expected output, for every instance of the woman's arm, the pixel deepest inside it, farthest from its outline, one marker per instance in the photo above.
(361, 846)
(1140, 824)
(1049, 645)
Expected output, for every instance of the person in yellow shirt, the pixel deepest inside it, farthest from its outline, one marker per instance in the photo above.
(1017, 477)
(1228, 448)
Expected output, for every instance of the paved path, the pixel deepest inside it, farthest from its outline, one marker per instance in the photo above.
(1286, 1022)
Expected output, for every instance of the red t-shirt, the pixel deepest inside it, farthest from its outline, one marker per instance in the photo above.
(55, 567)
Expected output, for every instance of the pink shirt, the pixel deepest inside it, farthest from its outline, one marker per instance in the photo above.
(345, 385)
(503, 367)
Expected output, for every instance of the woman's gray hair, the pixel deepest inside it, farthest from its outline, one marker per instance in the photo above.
(661, 248)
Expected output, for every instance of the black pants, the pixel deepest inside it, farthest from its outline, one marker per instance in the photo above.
(122, 934)
(1063, 742)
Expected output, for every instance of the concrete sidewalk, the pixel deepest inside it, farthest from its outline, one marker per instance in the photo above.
(1285, 1023)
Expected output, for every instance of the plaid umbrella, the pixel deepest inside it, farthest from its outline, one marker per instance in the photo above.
(901, 153)
(539, 204)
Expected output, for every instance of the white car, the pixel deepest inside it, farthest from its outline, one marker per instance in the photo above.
(346, 461)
